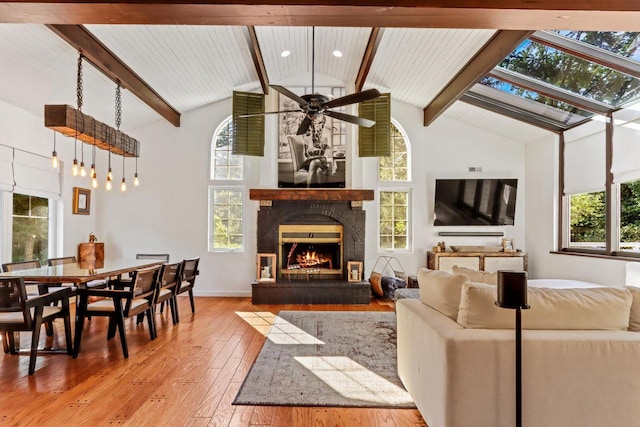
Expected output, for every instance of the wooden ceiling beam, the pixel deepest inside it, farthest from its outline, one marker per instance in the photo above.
(258, 60)
(111, 66)
(494, 51)
(368, 57)
(621, 15)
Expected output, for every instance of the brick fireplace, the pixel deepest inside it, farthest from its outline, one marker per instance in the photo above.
(313, 233)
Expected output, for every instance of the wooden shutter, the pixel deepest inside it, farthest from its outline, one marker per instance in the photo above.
(248, 132)
(376, 140)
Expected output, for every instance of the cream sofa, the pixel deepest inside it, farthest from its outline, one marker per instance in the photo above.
(465, 376)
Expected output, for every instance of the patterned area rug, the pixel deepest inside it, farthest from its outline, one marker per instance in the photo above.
(327, 358)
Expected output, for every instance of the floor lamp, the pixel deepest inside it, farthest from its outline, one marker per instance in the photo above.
(512, 293)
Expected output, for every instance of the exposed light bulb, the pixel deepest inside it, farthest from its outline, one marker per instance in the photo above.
(94, 181)
(83, 171)
(92, 174)
(74, 168)
(54, 159)
(136, 181)
(108, 186)
(123, 186)
(109, 175)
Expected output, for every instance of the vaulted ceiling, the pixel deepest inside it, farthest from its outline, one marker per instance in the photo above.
(182, 55)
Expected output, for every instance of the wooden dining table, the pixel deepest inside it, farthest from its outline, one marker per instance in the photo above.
(80, 273)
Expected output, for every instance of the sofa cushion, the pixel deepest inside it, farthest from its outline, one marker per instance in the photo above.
(477, 276)
(634, 317)
(441, 290)
(605, 308)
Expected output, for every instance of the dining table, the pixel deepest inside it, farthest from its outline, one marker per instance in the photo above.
(81, 273)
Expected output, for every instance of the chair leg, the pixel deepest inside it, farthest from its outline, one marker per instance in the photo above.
(139, 318)
(120, 324)
(12, 342)
(35, 338)
(80, 315)
(111, 332)
(175, 304)
(152, 323)
(193, 306)
(162, 307)
(172, 303)
(48, 326)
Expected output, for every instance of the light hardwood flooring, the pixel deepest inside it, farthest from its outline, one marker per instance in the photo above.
(188, 376)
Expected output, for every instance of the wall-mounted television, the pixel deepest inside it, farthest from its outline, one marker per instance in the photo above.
(475, 201)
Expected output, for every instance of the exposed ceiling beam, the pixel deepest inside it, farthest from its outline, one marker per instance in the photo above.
(494, 51)
(107, 62)
(522, 116)
(551, 91)
(256, 55)
(588, 52)
(498, 14)
(368, 57)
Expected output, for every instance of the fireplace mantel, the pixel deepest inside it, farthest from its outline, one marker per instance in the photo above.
(310, 194)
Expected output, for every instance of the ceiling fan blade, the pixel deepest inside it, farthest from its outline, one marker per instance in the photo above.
(286, 92)
(304, 126)
(353, 98)
(351, 119)
(269, 112)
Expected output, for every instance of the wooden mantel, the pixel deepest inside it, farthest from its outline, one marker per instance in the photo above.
(310, 194)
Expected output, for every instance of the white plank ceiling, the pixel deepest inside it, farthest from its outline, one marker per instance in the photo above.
(192, 66)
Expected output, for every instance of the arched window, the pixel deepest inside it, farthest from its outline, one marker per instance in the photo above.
(226, 199)
(397, 166)
(224, 164)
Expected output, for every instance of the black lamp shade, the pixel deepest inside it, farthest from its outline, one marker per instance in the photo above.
(512, 289)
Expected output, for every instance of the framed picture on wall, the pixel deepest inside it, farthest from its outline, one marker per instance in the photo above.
(81, 201)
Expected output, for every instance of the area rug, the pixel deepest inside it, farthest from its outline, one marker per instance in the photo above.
(327, 358)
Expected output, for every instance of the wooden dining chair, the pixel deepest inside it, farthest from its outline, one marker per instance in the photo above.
(125, 299)
(162, 257)
(189, 273)
(167, 287)
(19, 313)
(61, 260)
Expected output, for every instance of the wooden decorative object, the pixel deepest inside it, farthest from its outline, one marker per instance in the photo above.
(88, 252)
(354, 271)
(81, 201)
(65, 119)
(266, 268)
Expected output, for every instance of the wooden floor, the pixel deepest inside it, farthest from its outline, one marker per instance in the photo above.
(188, 376)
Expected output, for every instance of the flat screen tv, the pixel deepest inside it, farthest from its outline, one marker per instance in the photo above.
(475, 201)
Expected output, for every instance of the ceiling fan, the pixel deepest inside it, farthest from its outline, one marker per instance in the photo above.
(315, 105)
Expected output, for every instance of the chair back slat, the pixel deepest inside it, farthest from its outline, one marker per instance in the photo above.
(162, 257)
(62, 260)
(190, 269)
(170, 274)
(145, 281)
(21, 265)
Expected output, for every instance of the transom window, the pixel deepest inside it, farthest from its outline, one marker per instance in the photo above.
(396, 166)
(224, 164)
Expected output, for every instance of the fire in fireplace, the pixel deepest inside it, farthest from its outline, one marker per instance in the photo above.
(310, 251)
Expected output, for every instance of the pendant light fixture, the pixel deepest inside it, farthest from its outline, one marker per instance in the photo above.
(94, 175)
(54, 155)
(123, 185)
(136, 181)
(109, 173)
(83, 171)
(74, 168)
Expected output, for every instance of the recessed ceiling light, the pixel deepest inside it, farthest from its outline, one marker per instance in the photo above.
(285, 53)
(337, 54)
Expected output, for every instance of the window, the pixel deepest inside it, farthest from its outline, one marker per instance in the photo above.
(396, 166)
(587, 220)
(630, 216)
(226, 193)
(394, 220)
(226, 219)
(30, 239)
(224, 164)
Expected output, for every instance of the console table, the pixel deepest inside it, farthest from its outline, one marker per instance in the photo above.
(487, 261)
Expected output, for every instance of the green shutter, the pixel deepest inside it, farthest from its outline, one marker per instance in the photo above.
(248, 132)
(376, 140)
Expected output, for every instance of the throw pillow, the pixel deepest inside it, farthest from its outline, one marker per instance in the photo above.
(477, 276)
(390, 284)
(440, 290)
(604, 308)
(376, 283)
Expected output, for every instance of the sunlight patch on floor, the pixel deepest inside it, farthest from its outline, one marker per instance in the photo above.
(260, 320)
(353, 380)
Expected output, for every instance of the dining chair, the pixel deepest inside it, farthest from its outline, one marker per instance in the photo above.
(125, 299)
(189, 273)
(61, 260)
(162, 257)
(168, 281)
(19, 313)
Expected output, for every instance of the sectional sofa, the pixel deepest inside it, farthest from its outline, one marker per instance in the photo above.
(581, 354)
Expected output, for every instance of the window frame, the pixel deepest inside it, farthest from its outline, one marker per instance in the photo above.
(211, 236)
(228, 122)
(396, 189)
(407, 145)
